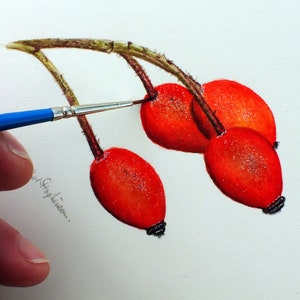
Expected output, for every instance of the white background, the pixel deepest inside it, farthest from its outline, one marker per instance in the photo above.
(214, 248)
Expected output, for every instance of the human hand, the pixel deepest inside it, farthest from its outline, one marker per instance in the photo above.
(21, 263)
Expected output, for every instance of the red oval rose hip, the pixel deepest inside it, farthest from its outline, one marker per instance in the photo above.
(245, 167)
(168, 122)
(129, 188)
(235, 105)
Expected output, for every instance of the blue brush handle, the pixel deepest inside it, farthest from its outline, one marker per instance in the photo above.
(25, 118)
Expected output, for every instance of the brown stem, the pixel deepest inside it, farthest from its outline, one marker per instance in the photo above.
(72, 99)
(141, 73)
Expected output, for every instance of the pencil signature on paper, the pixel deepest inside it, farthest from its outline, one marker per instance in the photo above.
(55, 197)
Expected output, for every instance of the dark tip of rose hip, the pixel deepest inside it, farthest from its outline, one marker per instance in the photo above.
(157, 229)
(276, 145)
(275, 207)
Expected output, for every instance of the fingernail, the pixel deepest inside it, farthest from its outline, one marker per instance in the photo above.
(13, 145)
(30, 252)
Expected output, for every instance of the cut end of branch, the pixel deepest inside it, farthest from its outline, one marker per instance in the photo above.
(21, 47)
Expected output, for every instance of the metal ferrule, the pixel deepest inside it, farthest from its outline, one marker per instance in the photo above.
(79, 110)
(62, 112)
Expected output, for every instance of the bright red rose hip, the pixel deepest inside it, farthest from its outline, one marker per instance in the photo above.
(168, 122)
(129, 188)
(246, 168)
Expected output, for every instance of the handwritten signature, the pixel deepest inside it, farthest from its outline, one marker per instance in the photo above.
(55, 198)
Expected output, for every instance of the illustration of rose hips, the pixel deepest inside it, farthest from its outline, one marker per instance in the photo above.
(239, 130)
(246, 168)
(167, 120)
(129, 188)
(235, 105)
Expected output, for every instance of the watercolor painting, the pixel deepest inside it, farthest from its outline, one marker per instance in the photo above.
(240, 157)
(191, 192)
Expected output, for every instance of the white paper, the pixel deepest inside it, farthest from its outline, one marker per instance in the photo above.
(213, 248)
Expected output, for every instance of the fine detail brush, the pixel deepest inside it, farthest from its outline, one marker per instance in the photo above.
(30, 117)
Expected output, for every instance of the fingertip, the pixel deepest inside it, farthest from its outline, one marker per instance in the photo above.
(16, 165)
(21, 263)
(34, 264)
